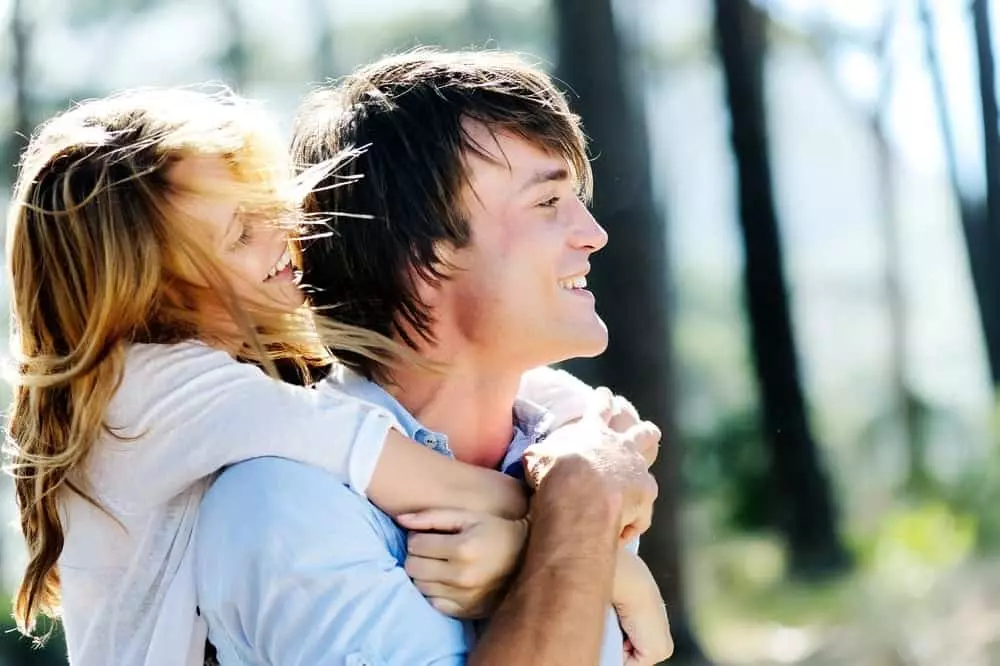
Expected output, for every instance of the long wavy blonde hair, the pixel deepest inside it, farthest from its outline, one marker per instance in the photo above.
(99, 257)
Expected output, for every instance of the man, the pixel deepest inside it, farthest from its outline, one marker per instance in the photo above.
(475, 257)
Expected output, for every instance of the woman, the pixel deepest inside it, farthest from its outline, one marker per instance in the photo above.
(148, 256)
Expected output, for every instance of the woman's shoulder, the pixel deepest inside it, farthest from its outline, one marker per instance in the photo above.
(153, 371)
(142, 354)
(179, 361)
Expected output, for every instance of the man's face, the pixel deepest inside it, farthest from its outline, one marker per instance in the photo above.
(519, 297)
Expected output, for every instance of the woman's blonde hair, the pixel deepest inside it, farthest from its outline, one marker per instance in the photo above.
(99, 256)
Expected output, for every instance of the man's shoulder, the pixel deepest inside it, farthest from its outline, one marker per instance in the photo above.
(289, 502)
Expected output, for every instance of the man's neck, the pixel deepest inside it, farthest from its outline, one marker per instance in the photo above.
(470, 403)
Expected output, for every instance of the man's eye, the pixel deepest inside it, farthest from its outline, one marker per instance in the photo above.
(550, 203)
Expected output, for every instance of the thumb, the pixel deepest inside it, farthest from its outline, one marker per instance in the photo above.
(600, 404)
(437, 520)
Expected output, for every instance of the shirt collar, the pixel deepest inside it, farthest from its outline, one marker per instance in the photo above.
(532, 422)
(350, 382)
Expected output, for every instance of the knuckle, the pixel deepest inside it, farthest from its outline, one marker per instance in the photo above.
(467, 550)
(466, 578)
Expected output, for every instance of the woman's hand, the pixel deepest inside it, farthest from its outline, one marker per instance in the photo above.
(640, 609)
(461, 560)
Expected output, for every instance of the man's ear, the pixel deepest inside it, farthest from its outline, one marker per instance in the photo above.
(428, 290)
(427, 287)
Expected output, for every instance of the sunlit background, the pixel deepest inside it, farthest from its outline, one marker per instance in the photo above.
(877, 150)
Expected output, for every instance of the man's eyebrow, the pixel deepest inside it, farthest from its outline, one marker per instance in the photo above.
(545, 176)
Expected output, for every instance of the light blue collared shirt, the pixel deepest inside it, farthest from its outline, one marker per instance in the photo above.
(295, 569)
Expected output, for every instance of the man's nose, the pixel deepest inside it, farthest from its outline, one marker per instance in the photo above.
(587, 233)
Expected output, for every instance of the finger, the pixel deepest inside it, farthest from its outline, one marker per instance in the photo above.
(443, 590)
(452, 547)
(644, 438)
(438, 520)
(624, 415)
(429, 570)
(600, 404)
(447, 606)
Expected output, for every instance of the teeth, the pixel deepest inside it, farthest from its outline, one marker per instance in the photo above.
(283, 262)
(579, 282)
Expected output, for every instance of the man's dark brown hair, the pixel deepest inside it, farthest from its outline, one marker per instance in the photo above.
(405, 115)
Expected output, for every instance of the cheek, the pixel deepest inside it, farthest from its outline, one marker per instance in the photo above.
(243, 266)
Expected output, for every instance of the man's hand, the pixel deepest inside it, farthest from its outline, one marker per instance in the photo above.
(617, 462)
(461, 560)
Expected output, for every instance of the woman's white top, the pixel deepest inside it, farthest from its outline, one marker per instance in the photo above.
(183, 412)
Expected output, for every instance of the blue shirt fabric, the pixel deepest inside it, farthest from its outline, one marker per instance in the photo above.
(295, 569)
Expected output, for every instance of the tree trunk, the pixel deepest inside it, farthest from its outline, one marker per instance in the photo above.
(20, 43)
(973, 213)
(991, 150)
(324, 56)
(630, 275)
(479, 18)
(236, 59)
(806, 512)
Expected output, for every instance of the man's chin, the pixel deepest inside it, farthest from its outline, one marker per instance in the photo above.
(586, 346)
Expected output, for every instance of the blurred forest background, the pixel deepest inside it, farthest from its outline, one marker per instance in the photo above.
(802, 284)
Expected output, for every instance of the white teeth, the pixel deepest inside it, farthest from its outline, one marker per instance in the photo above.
(283, 262)
(579, 282)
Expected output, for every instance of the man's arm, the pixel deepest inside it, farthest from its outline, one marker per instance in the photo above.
(555, 610)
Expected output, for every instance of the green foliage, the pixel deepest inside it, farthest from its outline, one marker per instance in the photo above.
(17, 650)
(730, 462)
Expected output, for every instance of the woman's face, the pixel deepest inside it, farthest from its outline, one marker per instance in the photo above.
(249, 243)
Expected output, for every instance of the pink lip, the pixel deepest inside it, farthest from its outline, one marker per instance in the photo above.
(286, 274)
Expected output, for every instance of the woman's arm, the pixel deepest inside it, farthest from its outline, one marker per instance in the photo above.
(410, 478)
(641, 612)
(183, 412)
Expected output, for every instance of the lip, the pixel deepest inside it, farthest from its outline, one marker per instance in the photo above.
(581, 273)
(288, 269)
(286, 274)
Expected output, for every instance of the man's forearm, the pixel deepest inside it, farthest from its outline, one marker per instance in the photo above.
(555, 610)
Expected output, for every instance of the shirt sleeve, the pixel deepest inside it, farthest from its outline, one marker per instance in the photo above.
(311, 580)
(183, 412)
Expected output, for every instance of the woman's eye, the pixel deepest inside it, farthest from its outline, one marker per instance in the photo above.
(244, 237)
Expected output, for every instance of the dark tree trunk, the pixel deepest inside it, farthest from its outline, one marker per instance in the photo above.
(806, 513)
(974, 214)
(20, 43)
(236, 59)
(630, 275)
(479, 17)
(324, 56)
(991, 149)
